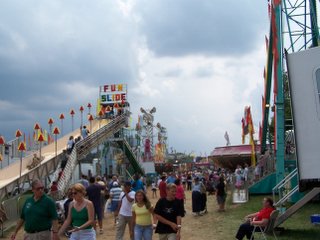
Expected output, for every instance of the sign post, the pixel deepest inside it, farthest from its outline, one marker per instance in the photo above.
(50, 122)
(56, 132)
(21, 148)
(100, 118)
(61, 117)
(89, 107)
(37, 129)
(90, 118)
(72, 112)
(40, 140)
(81, 111)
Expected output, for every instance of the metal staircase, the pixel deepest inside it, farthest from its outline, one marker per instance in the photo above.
(83, 147)
(286, 191)
(135, 166)
(294, 208)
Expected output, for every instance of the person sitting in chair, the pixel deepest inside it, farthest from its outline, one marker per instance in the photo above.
(260, 218)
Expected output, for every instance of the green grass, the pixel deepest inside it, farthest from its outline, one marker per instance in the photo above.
(297, 227)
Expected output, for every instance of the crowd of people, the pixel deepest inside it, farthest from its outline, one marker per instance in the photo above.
(88, 200)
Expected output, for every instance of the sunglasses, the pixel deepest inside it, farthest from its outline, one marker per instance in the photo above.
(74, 193)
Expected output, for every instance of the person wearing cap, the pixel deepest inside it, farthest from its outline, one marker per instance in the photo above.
(124, 211)
(115, 192)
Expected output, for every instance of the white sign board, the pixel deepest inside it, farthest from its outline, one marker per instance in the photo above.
(304, 79)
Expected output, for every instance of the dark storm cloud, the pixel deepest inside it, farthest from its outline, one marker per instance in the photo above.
(206, 27)
(48, 45)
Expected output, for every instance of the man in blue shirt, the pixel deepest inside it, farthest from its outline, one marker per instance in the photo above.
(171, 178)
(137, 184)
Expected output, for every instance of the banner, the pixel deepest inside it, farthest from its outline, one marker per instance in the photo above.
(113, 93)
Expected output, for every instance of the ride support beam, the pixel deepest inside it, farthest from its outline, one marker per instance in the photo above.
(279, 99)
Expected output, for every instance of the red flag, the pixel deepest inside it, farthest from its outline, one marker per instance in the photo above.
(277, 2)
(275, 51)
(49, 139)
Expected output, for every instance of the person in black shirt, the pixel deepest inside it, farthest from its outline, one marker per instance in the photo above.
(221, 194)
(168, 212)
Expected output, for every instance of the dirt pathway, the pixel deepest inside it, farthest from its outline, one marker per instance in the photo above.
(210, 226)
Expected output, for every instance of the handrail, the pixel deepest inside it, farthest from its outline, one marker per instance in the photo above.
(86, 145)
(287, 196)
(132, 153)
(286, 179)
(282, 184)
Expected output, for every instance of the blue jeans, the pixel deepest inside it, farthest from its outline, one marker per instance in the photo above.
(143, 232)
(85, 234)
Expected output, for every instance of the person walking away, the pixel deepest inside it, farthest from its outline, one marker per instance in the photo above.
(38, 215)
(246, 172)
(260, 218)
(168, 211)
(154, 189)
(163, 187)
(100, 182)
(84, 132)
(84, 181)
(239, 181)
(70, 145)
(189, 182)
(184, 181)
(221, 194)
(94, 195)
(142, 212)
(115, 192)
(80, 216)
(124, 212)
(180, 195)
(196, 197)
(203, 191)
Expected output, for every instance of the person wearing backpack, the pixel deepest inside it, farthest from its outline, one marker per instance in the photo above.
(124, 212)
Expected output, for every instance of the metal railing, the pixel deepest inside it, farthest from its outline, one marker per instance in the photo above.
(83, 147)
(284, 189)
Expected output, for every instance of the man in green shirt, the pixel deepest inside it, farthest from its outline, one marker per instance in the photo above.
(38, 215)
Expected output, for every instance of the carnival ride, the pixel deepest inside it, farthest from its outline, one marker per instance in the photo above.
(293, 28)
(53, 153)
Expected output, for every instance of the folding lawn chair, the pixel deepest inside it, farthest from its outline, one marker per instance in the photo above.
(269, 229)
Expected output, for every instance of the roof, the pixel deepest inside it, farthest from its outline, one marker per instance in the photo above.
(239, 150)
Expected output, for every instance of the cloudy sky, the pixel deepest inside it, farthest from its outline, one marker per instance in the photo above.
(199, 62)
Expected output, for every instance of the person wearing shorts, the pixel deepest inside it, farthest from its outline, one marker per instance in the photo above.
(80, 216)
(115, 192)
